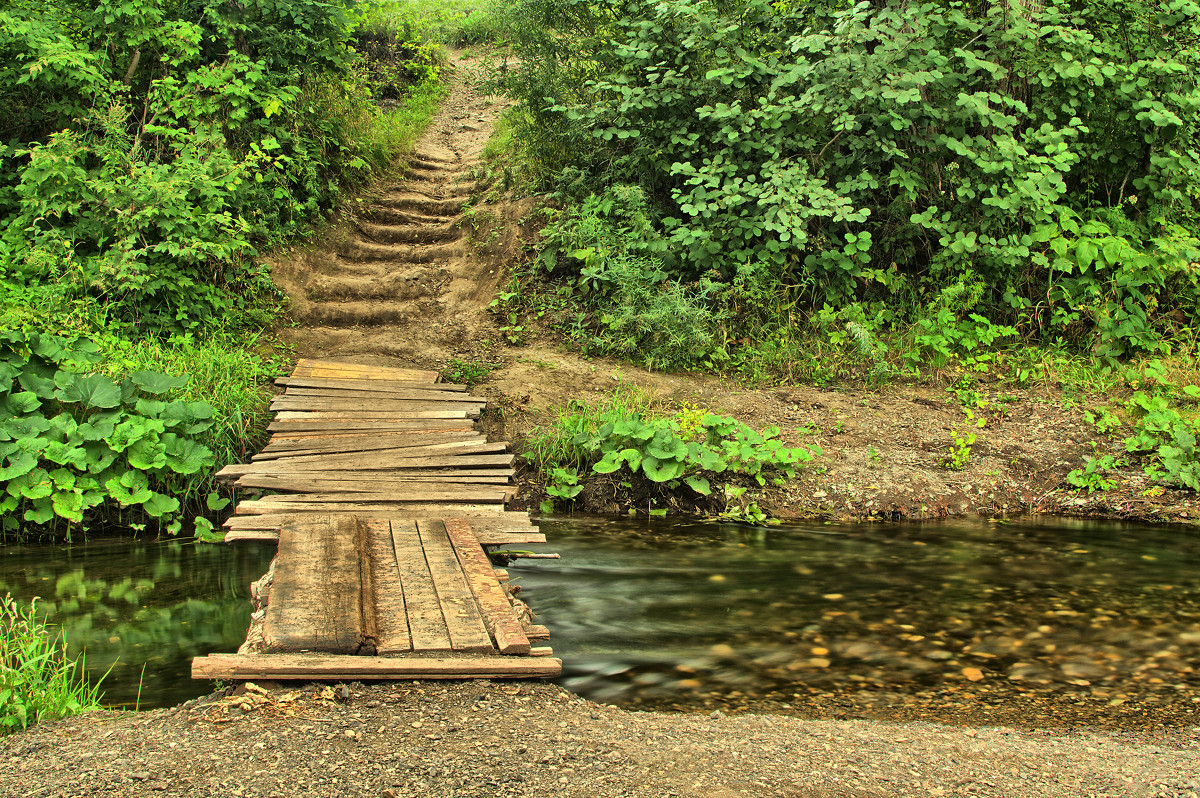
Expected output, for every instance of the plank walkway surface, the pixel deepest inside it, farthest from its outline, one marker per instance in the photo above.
(387, 496)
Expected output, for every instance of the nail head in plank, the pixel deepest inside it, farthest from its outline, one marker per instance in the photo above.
(348, 668)
(497, 610)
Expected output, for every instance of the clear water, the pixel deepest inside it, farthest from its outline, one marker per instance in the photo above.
(678, 615)
(682, 614)
(140, 609)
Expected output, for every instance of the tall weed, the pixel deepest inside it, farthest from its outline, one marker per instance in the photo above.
(38, 681)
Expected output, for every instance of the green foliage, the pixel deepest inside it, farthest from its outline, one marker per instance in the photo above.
(563, 485)
(960, 452)
(37, 679)
(1166, 439)
(1092, 475)
(611, 259)
(71, 440)
(662, 450)
(466, 372)
(150, 147)
(1042, 162)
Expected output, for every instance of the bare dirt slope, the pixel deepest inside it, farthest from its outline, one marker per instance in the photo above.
(397, 280)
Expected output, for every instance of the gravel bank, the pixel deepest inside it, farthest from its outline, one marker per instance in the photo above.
(507, 739)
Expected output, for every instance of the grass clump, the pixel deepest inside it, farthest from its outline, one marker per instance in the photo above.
(38, 681)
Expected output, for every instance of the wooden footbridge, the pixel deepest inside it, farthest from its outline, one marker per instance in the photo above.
(387, 498)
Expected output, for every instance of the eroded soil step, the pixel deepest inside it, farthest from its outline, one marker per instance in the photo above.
(368, 313)
(365, 251)
(409, 286)
(421, 202)
(410, 234)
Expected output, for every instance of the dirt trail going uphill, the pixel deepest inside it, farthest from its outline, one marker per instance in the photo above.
(397, 281)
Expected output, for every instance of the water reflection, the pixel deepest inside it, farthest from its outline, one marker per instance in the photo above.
(141, 609)
(719, 615)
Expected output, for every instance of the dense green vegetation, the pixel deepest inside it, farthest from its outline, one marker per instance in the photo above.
(971, 171)
(816, 190)
(148, 153)
(38, 681)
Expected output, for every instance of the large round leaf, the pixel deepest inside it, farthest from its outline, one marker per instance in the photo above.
(159, 505)
(156, 382)
(661, 470)
(132, 487)
(20, 403)
(19, 464)
(186, 456)
(90, 390)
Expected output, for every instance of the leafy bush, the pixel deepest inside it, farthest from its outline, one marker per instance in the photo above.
(152, 147)
(70, 440)
(1049, 154)
(1167, 439)
(686, 449)
(37, 679)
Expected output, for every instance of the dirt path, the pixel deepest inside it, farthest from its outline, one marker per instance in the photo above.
(399, 282)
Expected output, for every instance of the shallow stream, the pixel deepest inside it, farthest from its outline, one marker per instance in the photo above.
(1063, 622)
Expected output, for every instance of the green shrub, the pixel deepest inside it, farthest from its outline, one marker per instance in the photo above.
(38, 681)
(853, 151)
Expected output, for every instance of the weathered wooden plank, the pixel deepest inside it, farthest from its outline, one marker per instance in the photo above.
(396, 438)
(487, 538)
(373, 415)
(349, 668)
(426, 623)
(316, 595)
(373, 395)
(470, 494)
(376, 460)
(380, 406)
(366, 481)
(274, 505)
(497, 610)
(400, 460)
(332, 369)
(273, 520)
(387, 595)
(384, 386)
(324, 427)
(259, 535)
(360, 443)
(464, 621)
(373, 490)
(536, 632)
